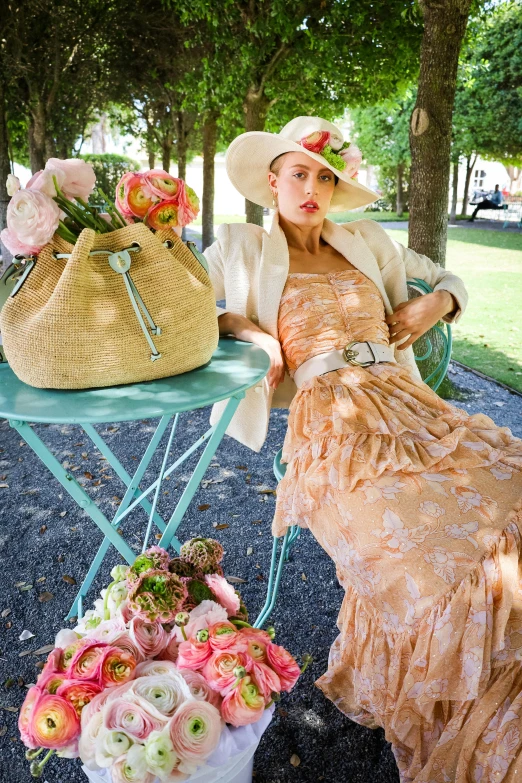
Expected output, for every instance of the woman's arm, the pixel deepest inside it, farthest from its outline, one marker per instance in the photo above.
(410, 320)
(241, 328)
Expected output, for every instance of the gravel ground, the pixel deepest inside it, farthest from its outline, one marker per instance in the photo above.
(45, 537)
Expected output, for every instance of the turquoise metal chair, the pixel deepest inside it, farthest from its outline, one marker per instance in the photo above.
(432, 353)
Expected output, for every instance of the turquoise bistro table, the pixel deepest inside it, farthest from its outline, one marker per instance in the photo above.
(235, 367)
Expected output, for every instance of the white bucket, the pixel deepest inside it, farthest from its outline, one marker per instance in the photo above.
(231, 762)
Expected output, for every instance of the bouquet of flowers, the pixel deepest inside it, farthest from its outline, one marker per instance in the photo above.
(158, 674)
(55, 201)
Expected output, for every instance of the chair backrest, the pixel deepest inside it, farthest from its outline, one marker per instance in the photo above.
(433, 350)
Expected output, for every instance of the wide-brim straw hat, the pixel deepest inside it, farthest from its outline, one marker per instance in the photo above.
(249, 157)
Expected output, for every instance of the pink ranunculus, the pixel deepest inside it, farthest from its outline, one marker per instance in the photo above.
(51, 682)
(117, 667)
(171, 651)
(43, 181)
(107, 630)
(188, 206)
(150, 638)
(13, 244)
(193, 654)
(204, 615)
(284, 665)
(95, 706)
(123, 642)
(121, 194)
(87, 661)
(25, 719)
(79, 693)
(352, 156)
(55, 724)
(256, 634)
(199, 687)
(316, 141)
(224, 593)
(54, 663)
(157, 668)
(195, 730)
(220, 667)
(132, 718)
(138, 196)
(244, 704)
(266, 680)
(32, 218)
(124, 611)
(224, 636)
(163, 185)
(163, 215)
(80, 178)
(12, 184)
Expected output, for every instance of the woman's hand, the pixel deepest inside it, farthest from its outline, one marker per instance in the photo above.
(243, 329)
(276, 373)
(414, 318)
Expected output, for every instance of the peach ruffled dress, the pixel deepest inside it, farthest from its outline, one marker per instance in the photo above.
(418, 504)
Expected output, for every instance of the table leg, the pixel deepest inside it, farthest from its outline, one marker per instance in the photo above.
(132, 484)
(69, 483)
(204, 461)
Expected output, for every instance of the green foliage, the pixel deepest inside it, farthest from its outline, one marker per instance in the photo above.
(109, 169)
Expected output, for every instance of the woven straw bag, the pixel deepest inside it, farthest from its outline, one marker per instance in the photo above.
(115, 308)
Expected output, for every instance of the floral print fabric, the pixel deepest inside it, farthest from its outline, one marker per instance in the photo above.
(418, 504)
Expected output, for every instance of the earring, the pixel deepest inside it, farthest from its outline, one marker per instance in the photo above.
(274, 199)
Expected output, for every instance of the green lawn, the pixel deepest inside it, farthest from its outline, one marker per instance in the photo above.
(489, 336)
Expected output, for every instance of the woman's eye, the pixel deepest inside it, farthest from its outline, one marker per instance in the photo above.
(326, 177)
(299, 174)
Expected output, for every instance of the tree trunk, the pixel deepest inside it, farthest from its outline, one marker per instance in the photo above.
(5, 169)
(182, 146)
(400, 189)
(36, 153)
(454, 192)
(209, 153)
(430, 127)
(166, 152)
(255, 107)
(38, 137)
(152, 157)
(470, 164)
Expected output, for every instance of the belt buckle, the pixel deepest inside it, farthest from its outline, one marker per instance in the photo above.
(349, 355)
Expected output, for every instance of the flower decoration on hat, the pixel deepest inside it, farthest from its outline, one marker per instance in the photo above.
(343, 156)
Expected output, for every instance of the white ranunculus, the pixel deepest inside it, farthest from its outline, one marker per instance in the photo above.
(131, 768)
(64, 638)
(336, 142)
(160, 755)
(116, 743)
(12, 184)
(165, 694)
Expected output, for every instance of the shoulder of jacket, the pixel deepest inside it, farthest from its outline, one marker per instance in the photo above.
(365, 227)
(242, 237)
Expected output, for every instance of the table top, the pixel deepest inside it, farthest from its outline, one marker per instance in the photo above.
(234, 367)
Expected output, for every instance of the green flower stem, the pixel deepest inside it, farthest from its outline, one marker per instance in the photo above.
(66, 233)
(36, 767)
(183, 632)
(307, 660)
(241, 624)
(30, 755)
(113, 208)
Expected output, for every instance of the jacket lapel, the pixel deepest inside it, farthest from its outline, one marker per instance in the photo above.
(273, 271)
(353, 247)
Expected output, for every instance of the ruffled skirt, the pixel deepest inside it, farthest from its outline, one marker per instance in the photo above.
(418, 504)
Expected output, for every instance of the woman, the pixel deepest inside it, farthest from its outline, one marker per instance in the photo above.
(417, 503)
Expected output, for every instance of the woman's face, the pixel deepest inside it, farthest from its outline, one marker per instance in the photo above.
(304, 189)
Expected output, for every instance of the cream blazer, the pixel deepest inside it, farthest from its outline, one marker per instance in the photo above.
(248, 268)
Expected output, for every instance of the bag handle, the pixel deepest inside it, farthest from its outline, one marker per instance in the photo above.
(200, 257)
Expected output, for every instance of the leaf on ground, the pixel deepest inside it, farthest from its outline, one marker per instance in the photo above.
(20, 584)
(43, 528)
(45, 596)
(88, 475)
(250, 551)
(44, 650)
(157, 536)
(6, 613)
(69, 579)
(8, 709)
(26, 635)
(241, 467)
(283, 713)
(295, 760)
(30, 492)
(203, 506)
(41, 579)
(26, 588)
(3, 731)
(266, 492)
(236, 580)
(304, 577)
(221, 527)
(63, 513)
(257, 521)
(4, 486)
(84, 454)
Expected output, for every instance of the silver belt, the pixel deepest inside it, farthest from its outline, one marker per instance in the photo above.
(357, 354)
